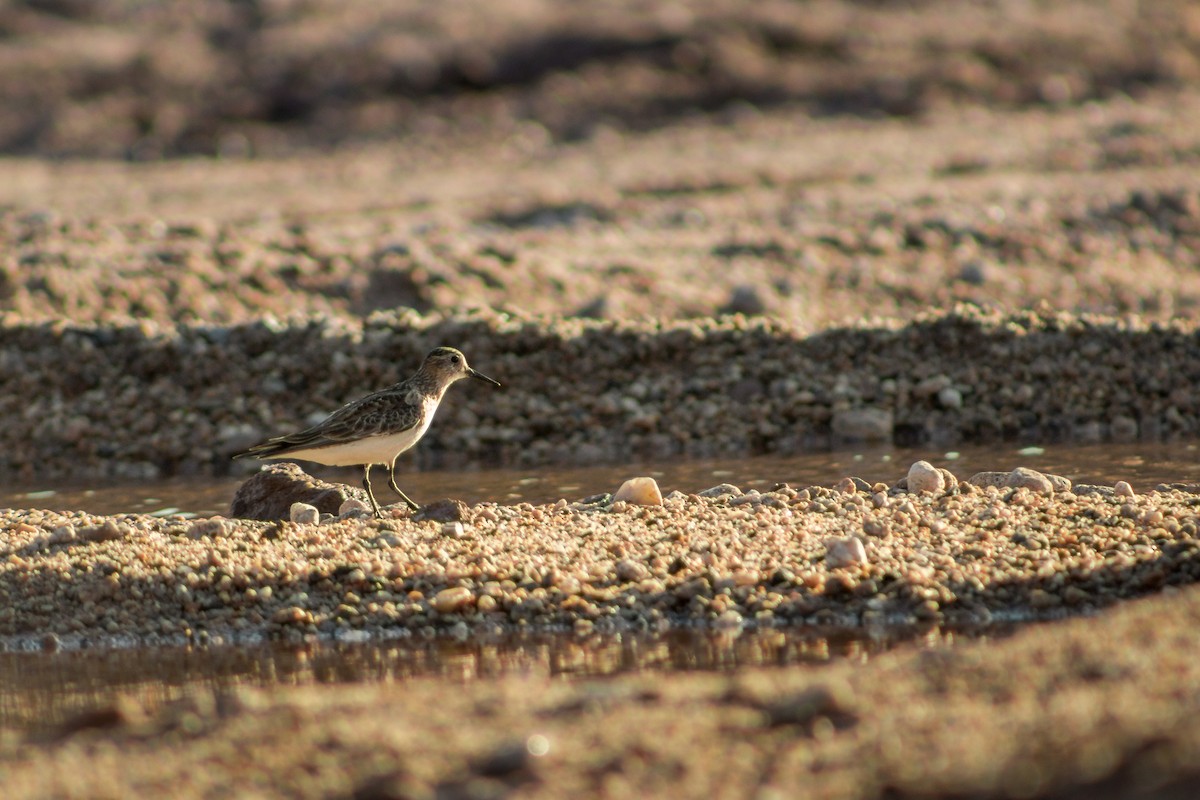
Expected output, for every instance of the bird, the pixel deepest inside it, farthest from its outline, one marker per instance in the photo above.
(377, 428)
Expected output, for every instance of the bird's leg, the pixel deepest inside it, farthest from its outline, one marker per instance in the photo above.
(370, 494)
(392, 482)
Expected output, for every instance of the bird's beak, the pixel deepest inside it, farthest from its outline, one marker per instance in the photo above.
(480, 376)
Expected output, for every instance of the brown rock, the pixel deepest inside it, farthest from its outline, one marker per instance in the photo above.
(269, 494)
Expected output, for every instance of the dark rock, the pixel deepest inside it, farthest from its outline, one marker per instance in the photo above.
(744, 299)
(269, 494)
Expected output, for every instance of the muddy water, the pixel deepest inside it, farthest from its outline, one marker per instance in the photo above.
(1142, 465)
(39, 692)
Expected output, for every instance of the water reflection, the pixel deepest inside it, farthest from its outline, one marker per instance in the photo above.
(39, 691)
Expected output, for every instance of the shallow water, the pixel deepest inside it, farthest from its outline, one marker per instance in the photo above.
(1144, 465)
(41, 691)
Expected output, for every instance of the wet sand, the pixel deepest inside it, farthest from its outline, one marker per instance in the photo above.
(696, 232)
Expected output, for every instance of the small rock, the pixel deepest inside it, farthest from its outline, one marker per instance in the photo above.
(448, 601)
(924, 477)
(724, 490)
(1083, 489)
(1061, 483)
(639, 491)
(983, 479)
(876, 527)
(932, 386)
(950, 398)
(844, 552)
(269, 494)
(973, 273)
(863, 424)
(1123, 489)
(453, 530)
(353, 507)
(108, 532)
(304, 514)
(846, 486)
(208, 529)
(1031, 479)
(631, 571)
(745, 577)
(744, 299)
(445, 510)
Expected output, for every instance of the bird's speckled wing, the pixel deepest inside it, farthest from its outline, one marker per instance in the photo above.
(386, 412)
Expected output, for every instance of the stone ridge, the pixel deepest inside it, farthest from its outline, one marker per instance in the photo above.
(152, 401)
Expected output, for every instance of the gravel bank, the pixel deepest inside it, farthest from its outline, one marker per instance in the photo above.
(851, 555)
(146, 402)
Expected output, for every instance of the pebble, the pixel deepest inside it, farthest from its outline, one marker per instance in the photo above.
(352, 507)
(924, 477)
(1025, 478)
(985, 479)
(209, 529)
(631, 571)
(639, 491)
(1123, 489)
(845, 552)
(449, 601)
(950, 398)
(453, 530)
(723, 490)
(304, 514)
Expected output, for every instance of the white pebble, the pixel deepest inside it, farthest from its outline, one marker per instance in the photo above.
(950, 398)
(925, 477)
(304, 514)
(1123, 489)
(844, 552)
(454, 530)
(639, 491)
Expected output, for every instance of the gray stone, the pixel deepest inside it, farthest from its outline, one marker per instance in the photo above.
(1031, 479)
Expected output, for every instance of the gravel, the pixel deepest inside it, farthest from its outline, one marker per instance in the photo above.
(845, 556)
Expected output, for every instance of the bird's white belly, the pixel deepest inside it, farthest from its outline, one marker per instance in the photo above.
(381, 449)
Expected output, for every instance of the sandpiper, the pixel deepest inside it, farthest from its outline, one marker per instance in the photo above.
(379, 427)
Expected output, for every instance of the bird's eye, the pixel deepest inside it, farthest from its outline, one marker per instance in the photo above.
(453, 359)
